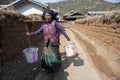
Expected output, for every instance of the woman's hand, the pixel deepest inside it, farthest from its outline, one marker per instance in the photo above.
(28, 34)
(68, 39)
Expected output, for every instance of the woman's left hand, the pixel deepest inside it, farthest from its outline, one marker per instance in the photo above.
(68, 39)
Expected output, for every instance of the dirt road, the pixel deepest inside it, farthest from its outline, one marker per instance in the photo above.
(84, 69)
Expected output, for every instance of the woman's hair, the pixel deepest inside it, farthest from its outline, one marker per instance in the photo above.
(51, 12)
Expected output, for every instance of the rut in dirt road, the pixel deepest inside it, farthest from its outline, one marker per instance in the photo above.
(84, 70)
(102, 66)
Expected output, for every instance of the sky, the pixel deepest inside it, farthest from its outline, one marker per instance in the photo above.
(113, 1)
(53, 1)
(49, 1)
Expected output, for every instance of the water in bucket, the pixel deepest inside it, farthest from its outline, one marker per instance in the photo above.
(31, 54)
(71, 50)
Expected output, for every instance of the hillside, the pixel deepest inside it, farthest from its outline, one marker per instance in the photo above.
(84, 5)
(5, 1)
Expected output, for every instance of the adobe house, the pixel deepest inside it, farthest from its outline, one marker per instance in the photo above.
(73, 15)
(26, 7)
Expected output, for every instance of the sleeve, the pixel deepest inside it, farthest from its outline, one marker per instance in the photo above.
(38, 31)
(58, 26)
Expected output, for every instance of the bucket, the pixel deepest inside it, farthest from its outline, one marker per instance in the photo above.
(31, 54)
(71, 50)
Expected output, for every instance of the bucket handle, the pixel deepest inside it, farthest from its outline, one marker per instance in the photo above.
(69, 42)
(27, 30)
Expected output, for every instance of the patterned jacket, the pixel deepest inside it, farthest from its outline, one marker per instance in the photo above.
(51, 32)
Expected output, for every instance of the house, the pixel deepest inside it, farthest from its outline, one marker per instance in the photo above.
(93, 13)
(2, 6)
(26, 7)
(73, 15)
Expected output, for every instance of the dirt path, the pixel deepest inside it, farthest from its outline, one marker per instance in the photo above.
(84, 70)
(103, 65)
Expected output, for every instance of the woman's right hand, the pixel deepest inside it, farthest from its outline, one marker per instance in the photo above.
(28, 33)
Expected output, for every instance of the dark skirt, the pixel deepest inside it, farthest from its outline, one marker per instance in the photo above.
(51, 63)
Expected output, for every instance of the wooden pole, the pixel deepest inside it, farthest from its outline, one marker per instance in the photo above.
(27, 30)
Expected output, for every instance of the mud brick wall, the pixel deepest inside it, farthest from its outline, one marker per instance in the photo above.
(33, 26)
(13, 37)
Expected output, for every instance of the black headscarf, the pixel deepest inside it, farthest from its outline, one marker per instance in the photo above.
(52, 13)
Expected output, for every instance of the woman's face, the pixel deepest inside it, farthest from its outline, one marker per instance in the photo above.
(48, 17)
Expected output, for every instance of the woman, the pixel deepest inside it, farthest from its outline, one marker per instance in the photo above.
(51, 60)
